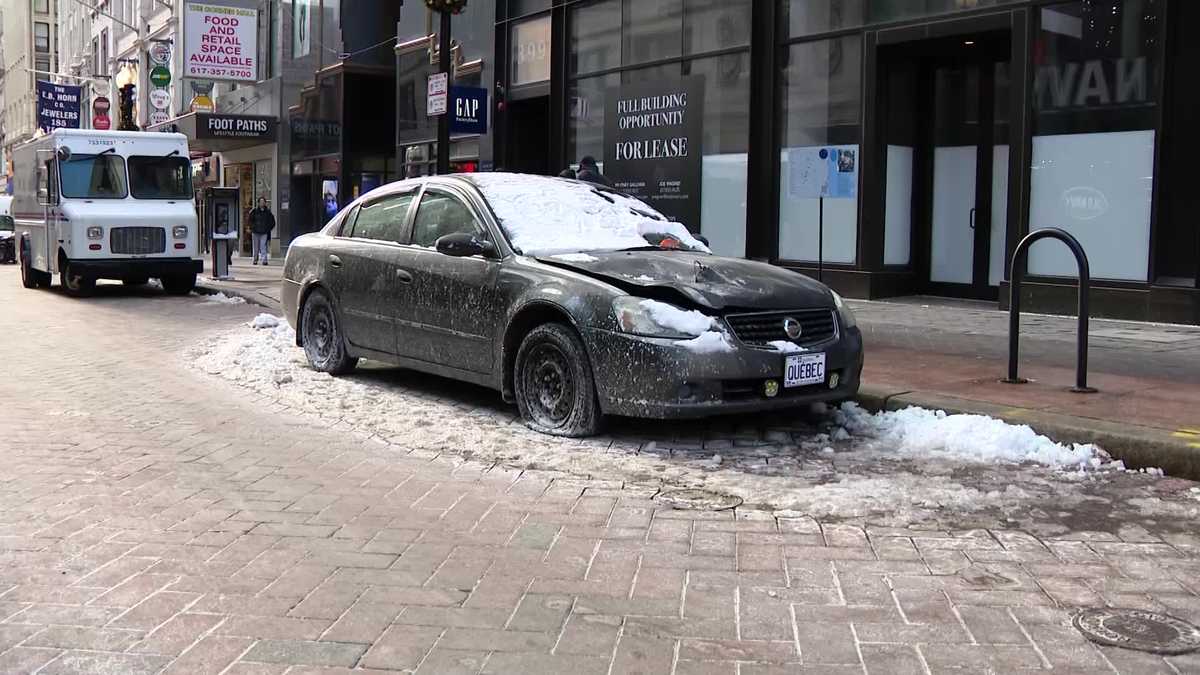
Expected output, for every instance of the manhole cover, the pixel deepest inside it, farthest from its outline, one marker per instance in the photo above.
(1138, 629)
(700, 500)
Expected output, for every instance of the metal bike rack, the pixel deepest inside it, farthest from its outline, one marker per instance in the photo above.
(1014, 305)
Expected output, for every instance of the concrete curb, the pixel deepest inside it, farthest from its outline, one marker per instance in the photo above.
(250, 295)
(1137, 446)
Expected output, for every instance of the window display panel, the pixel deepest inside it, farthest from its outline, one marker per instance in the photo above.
(1095, 101)
(819, 159)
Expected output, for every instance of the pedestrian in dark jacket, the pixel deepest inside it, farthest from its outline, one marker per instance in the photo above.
(567, 173)
(589, 172)
(262, 221)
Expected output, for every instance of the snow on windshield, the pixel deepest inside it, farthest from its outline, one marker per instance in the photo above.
(548, 216)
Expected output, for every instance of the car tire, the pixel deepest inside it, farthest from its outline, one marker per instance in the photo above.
(76, 285)
(553, 383)
(181, 284)
(321, 334)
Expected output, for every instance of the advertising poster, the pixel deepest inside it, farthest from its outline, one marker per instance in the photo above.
(220, 42)
(57, 106)
(829, 171)
(653, 144)
(329, 191)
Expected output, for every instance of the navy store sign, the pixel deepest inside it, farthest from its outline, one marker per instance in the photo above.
(468, 110)
(57, 106)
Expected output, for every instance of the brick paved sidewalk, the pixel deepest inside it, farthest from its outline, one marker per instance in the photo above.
(151, 520)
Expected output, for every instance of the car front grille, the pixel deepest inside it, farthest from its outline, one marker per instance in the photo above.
(816, 326)
(137, 240)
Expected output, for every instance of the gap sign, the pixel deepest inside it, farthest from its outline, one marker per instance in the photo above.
(468, 110)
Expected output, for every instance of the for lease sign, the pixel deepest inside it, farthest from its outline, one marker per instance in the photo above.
(220, 42)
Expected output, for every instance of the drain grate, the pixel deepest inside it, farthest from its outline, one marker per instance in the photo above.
(698, 500)
(1138, 629)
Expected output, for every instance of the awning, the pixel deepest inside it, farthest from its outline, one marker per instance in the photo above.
(222, 132)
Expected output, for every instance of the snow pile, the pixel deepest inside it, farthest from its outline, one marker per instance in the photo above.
(265, 321)
(786, 347)
(547, 216)
(972, 438)
(709, 342)
(575, 257)
(222, 299)
(686, 321)
(644, 278)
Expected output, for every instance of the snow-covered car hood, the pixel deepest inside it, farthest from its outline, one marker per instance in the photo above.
(706, 280)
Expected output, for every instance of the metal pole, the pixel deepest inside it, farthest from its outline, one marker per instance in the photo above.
(821, 239)
(443, 135)
(1014, 317)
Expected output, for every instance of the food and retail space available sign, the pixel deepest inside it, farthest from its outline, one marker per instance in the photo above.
(57, 106)
(653, 144)
(209, 125)
(468, 110)
(220, 42)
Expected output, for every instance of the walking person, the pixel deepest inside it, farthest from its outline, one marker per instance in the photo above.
(589, 172)
(262, 221)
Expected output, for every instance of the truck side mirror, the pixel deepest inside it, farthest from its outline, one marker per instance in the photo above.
(44, 197)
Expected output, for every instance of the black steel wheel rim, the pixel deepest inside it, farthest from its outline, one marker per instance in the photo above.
(549, 381)
(320, 333)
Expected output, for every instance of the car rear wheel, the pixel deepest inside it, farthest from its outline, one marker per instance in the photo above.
(322, 336)
(73, 282)
(181, 284)
(553, 383)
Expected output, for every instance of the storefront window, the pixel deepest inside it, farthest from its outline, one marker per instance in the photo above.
(596, 36)
(808, 17)
(1096, 74)
(820, 155)
(531, 51)
(650, 30)
(715, 24)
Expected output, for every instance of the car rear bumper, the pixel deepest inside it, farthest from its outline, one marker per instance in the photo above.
(125, 268)
(8, 249)
(650, 377)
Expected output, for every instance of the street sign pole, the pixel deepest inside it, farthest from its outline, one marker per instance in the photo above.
(443, 135)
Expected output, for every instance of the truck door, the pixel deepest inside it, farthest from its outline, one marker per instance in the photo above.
(48, 199)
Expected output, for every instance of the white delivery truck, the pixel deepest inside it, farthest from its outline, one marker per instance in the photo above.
(91, 205)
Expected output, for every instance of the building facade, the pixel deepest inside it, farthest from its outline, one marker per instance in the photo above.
(29, 42)
(890, 147)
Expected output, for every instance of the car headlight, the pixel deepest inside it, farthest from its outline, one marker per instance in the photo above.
(639, 316)
(180, 231)
(95, 232)
(844, 311)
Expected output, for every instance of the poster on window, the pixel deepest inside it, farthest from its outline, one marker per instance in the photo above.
(220, 42)
(57, 106)
(830, 172)
(654, 144)
(301, 28)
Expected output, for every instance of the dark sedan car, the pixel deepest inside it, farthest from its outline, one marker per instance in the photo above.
(572, 299)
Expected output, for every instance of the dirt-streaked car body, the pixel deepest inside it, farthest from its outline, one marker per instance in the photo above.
(438, 275)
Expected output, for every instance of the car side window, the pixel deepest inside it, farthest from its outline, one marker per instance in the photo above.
(382, 219)
(440, 214)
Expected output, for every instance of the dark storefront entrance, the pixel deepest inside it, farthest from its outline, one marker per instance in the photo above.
(946, 151)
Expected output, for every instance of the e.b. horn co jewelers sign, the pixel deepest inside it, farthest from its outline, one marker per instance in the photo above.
(57, 106)
(215, 125)
(653, 144)
(220, 41)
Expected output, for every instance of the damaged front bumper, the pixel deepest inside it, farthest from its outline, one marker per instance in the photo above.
(660, 378)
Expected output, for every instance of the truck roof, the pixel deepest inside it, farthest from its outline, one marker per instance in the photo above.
(131, 135)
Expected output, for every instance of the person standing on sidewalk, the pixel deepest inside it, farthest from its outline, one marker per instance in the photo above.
(590, 172)
(262, 221)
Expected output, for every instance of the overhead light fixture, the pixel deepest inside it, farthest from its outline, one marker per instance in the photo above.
(968, 42)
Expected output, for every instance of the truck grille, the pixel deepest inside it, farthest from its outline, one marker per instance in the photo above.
(137, 240)
(816, 326)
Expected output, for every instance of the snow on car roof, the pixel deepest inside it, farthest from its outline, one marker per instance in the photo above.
(548, 216)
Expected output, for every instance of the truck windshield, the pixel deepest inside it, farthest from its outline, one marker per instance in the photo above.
(93, 177)
(160, 177)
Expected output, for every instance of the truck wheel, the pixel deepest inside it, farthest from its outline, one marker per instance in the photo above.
(179, 285)
(29, 278)
(76, 285)
(553, 382)
(323, 342)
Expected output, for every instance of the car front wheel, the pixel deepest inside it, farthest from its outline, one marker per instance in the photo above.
(553, 382)
(322, 337)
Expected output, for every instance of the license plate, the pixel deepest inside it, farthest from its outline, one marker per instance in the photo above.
(803, 369)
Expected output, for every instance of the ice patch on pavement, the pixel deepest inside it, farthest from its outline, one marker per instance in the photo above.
(222, 299)
(971, 438)
(265, 321)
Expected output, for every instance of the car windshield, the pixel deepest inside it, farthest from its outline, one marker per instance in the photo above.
(549, 216)
(6, 224)
(93, 176)
(160, 177)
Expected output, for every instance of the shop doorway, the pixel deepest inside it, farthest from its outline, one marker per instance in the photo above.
(528, 147)
(947, 142)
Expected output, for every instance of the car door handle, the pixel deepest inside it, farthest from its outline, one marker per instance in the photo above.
(335, 261)
(404, 276)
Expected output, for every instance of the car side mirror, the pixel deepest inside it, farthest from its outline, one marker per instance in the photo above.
(463, 245)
